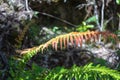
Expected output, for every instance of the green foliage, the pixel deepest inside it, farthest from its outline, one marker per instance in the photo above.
(85, 24)
(36, 14)
(118, 2)
(91, 19)
(34, 31)
(19, 71)
(84, 27)
(87, 72)
(56, 30)
(118, 15)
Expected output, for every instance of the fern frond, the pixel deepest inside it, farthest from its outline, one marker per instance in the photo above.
(62, 41)
(87, 72)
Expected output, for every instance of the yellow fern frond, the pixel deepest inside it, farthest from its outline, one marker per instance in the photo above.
(62, 41)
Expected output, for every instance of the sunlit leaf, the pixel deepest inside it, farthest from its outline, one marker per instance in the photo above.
(118, 2)
(91, 19)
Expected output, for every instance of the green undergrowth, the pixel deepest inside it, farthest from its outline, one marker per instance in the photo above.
(21, 71)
